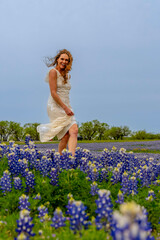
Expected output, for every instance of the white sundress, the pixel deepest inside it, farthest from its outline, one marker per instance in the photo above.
(60, 122)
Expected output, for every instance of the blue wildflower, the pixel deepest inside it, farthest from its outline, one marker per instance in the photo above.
(133, 185)
(37, 197)
(58, 219)
(54, 177)
(43, 213)
(120, 199)
(23, 202)
(116, 175)
(104, 209)
(125, 183)
(94, 188)
(78, 217)
(30, 181)
(93, 174)
(27, 139)
(24, 225)
(130, 223)
(151, 195)
(5, 182)
(45, 165)
(17, 183)
(103, 175)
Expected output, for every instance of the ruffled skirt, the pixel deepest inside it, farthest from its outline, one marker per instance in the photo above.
(58, 127)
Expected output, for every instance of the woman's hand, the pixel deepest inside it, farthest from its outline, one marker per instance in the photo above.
(68, 111)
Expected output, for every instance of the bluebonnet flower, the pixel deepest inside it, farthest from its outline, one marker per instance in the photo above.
(136, 172)
(70, 202)
(114, 149)
(23, 202)
(87, 154)
(78, 155)
(130, 223)
(13, 164)
(110, 159)
(43, 213)
(24, 225)
(23, 163)
(151, 195)
(31, 145)
(105, 153)
(104, 209)
(30, 181)
(78, 217)
(5, 182)
(122, 151)
(26, 154)
(27, 139)
(4, 150)
(157, 182)
(57, 161)
(116, 175)
(69, 196)
(39, 154)
(133, 185)
(52, 153)
(58, 219)
(94, 188)
(103, 175)
(93, 173)
(45, 165)
(37, 197)
(120, 199)
(145, 176)
(54, 177)
(40, 232)
(11, 143)
(22, 236)
(154, 168)
(17, 183)
(65, 159)
(37, 164)
(83, 162)
(48, 153)
(125, 183)
(32, 158)
(72, 164)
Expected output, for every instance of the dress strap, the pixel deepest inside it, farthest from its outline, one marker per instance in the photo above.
(68, 77)
(56, 70)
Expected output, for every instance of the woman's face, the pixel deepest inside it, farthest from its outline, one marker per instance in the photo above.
(62, 61)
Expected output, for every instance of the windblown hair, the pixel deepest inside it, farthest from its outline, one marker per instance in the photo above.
(52, 61)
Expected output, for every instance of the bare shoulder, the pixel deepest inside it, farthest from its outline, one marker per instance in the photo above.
(53, 73)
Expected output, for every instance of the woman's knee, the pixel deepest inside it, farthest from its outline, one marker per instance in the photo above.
(73, 130)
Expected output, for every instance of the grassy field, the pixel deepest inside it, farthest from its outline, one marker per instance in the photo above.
(91, 141)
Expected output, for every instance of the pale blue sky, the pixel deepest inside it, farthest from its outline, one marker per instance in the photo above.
(116, 49)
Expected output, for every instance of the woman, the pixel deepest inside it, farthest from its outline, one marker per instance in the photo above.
(62, 121)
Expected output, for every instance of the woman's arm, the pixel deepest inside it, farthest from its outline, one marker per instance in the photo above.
(53, 90)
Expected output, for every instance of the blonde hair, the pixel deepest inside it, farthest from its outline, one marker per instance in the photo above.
(52, 61)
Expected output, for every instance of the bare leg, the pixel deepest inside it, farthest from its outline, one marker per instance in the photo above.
(72, 143)
(63, 143)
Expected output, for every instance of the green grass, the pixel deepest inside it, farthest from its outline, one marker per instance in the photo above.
(144, 150)
(89, 141)
(137, 150)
